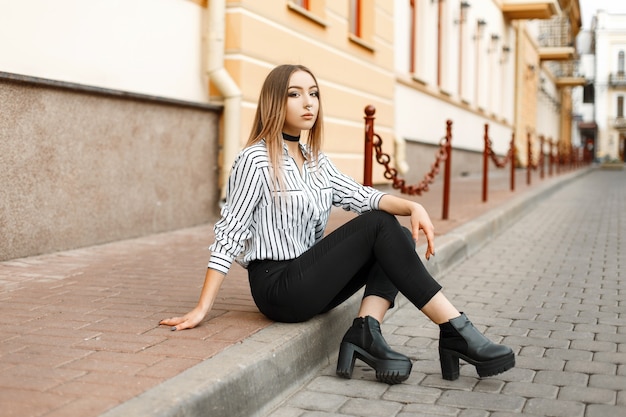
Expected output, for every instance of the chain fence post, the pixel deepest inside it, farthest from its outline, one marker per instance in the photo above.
(513, 155)
(369, 145)
(529, 163)
(542, 157)
(486, 151)
(446, 178)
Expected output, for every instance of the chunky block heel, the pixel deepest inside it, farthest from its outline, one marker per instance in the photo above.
(345, 362)
(364, 341)
(459, 339)
(449, 365)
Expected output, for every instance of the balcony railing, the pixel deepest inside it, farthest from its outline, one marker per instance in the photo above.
(617, 79)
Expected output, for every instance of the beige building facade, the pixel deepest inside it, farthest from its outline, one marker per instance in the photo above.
(420, 63)
(353, 67)
(118, 120)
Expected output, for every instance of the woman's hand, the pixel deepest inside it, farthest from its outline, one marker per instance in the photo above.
(188, 321)
(212, 283)
(420, 220)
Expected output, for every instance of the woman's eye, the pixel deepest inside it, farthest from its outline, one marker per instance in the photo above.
(314, 93)
(294, 94)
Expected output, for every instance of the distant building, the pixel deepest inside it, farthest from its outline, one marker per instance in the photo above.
(602, 123)
(484, 62)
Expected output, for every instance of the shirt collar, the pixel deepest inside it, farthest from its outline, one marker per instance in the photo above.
(303, 149)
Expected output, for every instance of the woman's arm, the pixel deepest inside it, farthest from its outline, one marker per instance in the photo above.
(419, 218)
(212, 283)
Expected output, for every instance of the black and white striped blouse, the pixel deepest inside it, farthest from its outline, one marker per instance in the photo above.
(260, 223)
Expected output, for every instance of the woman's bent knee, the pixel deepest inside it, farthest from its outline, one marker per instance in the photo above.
(381, 217)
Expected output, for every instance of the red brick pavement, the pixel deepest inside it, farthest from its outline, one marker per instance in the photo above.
(79, 329)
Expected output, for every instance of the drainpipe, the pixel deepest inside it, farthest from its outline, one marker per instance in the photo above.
(215, 33)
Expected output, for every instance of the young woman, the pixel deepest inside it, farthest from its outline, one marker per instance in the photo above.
(279, 197)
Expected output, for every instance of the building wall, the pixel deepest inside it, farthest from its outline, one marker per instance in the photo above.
(105, 130)
(474, 84)
(81, 167)
(527, 81)
(150, 47)
(610, 37)
(549, 105)
(352, 73)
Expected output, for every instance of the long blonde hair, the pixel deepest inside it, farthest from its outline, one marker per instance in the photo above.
(271, 113)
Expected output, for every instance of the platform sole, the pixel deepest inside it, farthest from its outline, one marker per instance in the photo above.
(449, 360)
(389, 371)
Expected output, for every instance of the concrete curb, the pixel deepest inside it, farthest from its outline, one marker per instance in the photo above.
(250, 378)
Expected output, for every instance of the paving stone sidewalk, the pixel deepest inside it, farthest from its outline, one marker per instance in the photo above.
(551, 286)
(79, 330)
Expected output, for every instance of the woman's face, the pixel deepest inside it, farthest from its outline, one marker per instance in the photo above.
(302, 103)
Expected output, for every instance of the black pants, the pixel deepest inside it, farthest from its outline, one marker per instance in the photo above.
(372, 250)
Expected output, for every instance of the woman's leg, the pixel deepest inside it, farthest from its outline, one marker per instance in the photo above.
(318, 279)
(368, 250)
(374, 306)
(306, 286)
(439, 309)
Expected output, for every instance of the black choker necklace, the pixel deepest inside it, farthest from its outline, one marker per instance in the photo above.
(290, 138)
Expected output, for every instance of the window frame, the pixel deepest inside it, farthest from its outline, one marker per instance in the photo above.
(313, 10)
(361, 23)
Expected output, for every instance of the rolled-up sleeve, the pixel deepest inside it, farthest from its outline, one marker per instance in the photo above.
(232, 231)
(349, 194)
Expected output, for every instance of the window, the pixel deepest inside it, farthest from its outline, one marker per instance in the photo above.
(355, 18)
(313, 10)
(620, 106)
(361, 23)
(620, 63)
(303, 3)
(462, 17)
(439, 40)
(403, 22)
(412, 32)
(589, 93)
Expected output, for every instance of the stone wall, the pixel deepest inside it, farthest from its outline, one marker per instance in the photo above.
(81, 166)
(420, 156)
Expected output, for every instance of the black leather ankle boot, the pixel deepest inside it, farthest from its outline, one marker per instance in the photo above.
(365, 341)
(458, 338)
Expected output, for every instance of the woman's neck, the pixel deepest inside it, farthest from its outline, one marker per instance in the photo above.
(290, 138)
(293, 148)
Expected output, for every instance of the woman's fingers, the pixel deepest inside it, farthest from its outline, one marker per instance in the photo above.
(430, 250)
(430, 239)
(187, 324)
(188, 321)
(174, 321)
